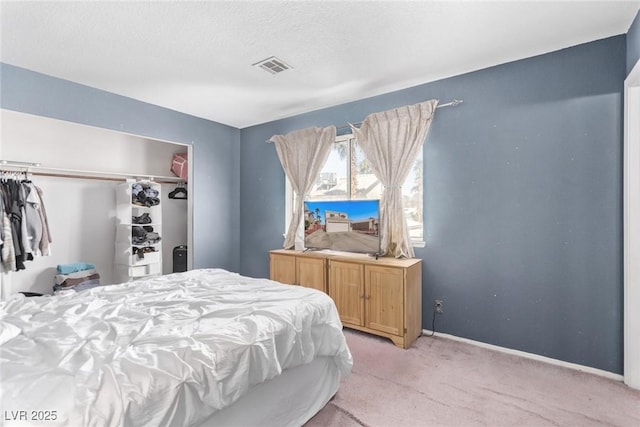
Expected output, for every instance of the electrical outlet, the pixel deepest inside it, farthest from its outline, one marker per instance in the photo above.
(438, 305)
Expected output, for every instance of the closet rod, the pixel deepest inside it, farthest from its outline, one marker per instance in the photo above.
(17, 163)
(84, 174)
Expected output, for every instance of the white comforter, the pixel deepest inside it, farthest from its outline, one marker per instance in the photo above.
(166, 351)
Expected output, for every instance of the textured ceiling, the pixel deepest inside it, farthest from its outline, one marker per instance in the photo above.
(196, 57)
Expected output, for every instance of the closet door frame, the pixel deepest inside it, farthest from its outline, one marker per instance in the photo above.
(6, 285)
(632, 228)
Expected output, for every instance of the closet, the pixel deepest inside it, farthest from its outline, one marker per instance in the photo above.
(80, 169)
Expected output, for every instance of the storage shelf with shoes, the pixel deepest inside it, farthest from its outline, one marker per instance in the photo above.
(139, 230)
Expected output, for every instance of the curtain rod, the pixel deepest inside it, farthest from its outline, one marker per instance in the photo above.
(84, 174)
(453, 103)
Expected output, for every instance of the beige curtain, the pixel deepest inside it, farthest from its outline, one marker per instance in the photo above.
(302, 154)
(391, 141)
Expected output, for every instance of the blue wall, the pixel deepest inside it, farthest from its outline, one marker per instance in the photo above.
(523, 191)
(633, 43)
(523, 201)
(216, 148)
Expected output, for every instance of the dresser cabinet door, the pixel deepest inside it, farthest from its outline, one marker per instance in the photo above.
(311, 273)
(282, 268)
(346, 287)
(384, 299)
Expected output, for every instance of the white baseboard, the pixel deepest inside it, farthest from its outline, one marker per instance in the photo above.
(575, 366)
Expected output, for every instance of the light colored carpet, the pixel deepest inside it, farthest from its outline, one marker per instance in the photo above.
(442, 382)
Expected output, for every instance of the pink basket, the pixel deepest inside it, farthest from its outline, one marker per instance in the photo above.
(179, 165)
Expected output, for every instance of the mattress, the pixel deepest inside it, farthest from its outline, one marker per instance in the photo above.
(288, 400)
(172, 350)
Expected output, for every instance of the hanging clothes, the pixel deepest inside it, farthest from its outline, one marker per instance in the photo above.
(7, 252)
(25, 229)
(33, 221)
(46, 241)
(13, 206)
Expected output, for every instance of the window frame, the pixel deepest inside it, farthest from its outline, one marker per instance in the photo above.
(289, 196)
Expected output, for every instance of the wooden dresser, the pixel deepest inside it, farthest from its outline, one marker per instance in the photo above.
(379, 296)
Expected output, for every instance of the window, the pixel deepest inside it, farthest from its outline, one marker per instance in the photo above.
(347, 175)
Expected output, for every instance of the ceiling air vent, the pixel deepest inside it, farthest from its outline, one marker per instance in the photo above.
(273, 65)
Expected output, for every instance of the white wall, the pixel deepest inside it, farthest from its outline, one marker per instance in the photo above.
(82, 211)
(174, 226)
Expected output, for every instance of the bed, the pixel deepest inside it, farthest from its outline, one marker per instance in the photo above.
(204, 347)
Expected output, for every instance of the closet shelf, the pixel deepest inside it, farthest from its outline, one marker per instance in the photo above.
(128, 265)
(40, 170)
